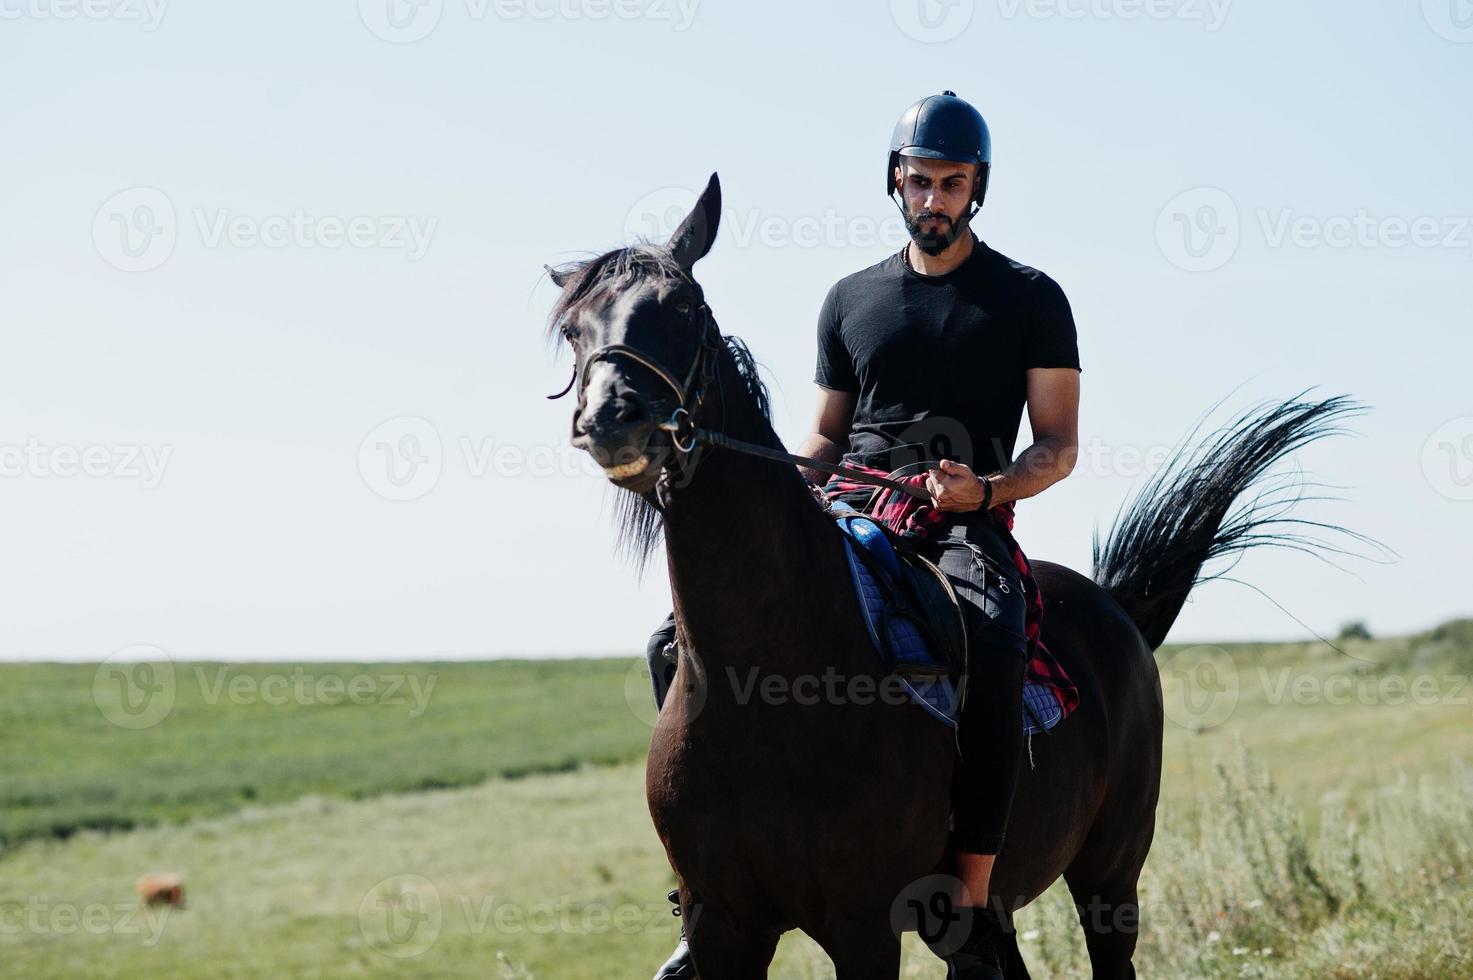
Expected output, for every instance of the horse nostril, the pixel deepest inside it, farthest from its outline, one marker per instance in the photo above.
(628, 410)
(605, 418)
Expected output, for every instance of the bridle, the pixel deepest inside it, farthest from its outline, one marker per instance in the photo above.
(687, 437)
(690, 394)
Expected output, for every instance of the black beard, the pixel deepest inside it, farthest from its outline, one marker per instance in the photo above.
(934, 243)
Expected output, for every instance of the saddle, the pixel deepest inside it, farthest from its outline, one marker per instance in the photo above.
(915, 619)
(912, 613)
(918, 625)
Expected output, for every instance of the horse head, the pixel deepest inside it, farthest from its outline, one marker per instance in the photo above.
(645, 345)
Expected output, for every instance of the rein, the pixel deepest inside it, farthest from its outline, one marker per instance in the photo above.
(686, 436)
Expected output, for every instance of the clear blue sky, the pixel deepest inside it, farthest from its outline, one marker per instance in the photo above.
(335, 215)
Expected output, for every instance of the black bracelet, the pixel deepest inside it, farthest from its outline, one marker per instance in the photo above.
(986, 495)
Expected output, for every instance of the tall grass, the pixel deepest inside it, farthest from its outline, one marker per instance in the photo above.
(1237, 885)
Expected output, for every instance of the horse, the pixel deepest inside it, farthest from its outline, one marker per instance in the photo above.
(780, 812)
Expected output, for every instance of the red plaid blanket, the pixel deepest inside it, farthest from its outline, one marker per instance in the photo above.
(912, 518)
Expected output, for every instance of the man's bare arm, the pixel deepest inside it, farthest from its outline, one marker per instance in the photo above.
(830, 436)
(1053, 414)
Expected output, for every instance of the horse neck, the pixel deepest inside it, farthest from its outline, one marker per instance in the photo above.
(744, 542)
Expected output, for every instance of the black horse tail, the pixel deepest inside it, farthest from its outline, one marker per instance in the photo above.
(1187, 514)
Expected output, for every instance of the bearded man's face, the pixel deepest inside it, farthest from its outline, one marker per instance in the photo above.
(937, 196)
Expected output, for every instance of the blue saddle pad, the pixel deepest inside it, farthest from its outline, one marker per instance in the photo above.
(937, 695)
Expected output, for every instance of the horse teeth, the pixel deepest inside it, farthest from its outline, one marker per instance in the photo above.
(625, 469)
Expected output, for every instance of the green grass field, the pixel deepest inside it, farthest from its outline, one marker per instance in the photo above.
(232, 738)
(1315, 822)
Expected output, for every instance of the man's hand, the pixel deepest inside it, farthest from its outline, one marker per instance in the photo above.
(954, 487)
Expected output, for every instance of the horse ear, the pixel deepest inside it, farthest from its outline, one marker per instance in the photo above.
(693, 239)
(558, 276)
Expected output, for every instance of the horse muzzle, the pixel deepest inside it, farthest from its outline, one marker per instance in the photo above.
(615, 426)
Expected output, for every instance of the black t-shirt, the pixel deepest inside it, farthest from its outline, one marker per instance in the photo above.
(939, 362)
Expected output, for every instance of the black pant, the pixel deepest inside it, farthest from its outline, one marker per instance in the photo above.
(976, 560)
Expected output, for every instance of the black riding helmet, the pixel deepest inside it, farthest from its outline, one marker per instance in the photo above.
(942, 127)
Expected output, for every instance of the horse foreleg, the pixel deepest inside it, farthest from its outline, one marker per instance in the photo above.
(724, 951)
(863, 952)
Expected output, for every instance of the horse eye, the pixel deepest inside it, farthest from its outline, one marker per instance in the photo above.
(569, 331)
(683, 308)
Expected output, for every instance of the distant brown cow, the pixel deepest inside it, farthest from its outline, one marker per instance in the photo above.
(160, 889)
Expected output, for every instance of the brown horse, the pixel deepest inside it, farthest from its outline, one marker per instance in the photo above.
(782, 811)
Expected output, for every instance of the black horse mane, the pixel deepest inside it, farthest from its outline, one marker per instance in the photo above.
(593, 281)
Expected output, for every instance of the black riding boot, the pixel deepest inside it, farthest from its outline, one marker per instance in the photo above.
(660, 652)
(977, 958)
(679, 966)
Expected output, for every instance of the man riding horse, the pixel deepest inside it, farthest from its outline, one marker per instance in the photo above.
(931, 355)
